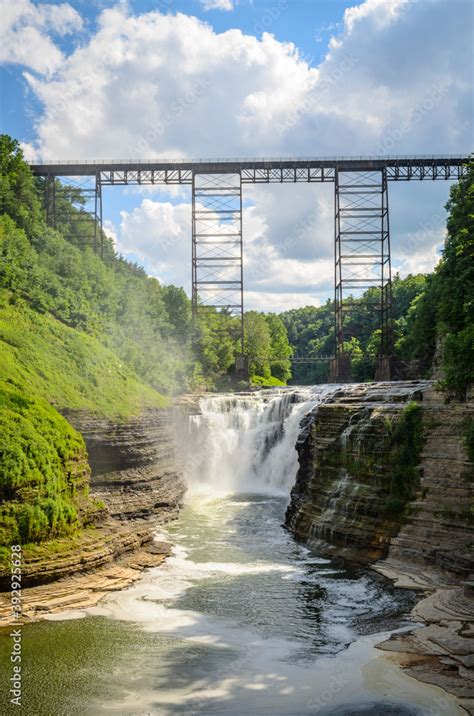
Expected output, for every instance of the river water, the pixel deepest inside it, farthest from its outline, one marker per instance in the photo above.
(241, 619)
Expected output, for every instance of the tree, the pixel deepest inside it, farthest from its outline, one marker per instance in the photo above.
(258, 343)
(281, 351)
(443, 315)
(18, 195)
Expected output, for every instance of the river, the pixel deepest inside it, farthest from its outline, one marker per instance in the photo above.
(241, 619)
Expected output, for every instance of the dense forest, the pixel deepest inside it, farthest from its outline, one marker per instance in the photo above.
(88, 330)
(56, 272)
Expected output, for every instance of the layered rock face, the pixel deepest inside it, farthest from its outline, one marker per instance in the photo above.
(440, 530)
(134, 473)
(341, 499)
(341, 504)
(134, 466)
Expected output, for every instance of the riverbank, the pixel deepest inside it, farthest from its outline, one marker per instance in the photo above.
(440, 651)
(262, 430)
(342, 505)
(85, 589)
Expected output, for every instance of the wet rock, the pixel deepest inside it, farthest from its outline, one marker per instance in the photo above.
(339, 505)
(86, 589)
(134, 466)
(134, 474)
(340, 499)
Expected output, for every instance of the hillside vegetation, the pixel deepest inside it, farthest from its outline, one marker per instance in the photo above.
(81, 330)
(433, 314)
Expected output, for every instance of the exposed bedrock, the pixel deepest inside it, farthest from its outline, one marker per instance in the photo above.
(343, 503)
(343, 497)
(133, 463)
(134, 473)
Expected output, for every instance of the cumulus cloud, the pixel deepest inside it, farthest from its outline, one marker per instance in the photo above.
(159, 233)
(26, 30)
(110, 231)
(156, 85)
(217, 5)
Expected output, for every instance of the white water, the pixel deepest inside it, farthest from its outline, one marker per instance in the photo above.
(246, 443)
(241, 619)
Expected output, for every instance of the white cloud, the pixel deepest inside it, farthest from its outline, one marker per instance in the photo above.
(159, 233)
(217, 5)
(169, 86)
(110, 231)
(26, 32)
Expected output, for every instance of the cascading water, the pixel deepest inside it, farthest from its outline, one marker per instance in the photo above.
(246, 442)
(240, 619)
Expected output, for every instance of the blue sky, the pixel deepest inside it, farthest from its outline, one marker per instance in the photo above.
(245, 78)
(306, 23)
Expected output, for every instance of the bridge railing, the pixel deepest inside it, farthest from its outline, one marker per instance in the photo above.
(252, 160)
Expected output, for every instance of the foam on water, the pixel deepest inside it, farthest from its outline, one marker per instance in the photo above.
(274, 624)
(246, 443)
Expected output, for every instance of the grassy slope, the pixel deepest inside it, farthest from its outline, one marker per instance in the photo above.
(68, 368)
(44, 364)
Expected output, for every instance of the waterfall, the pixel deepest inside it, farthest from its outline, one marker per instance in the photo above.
(246, 442)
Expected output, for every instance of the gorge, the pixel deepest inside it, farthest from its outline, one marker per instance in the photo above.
(241, 616)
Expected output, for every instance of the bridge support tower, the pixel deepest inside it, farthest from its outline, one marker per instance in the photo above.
(362, 264)
(217, 252)
(84, 221)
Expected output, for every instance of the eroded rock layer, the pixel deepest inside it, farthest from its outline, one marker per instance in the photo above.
(342, 500)
(134, 467)
(343, 503)
(135, 485)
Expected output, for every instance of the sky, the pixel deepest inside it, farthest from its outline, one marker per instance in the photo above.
(245, 78)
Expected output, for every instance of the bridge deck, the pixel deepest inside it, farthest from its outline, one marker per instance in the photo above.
(259, 170)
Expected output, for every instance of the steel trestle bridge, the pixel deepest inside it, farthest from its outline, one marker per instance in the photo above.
(362, 258)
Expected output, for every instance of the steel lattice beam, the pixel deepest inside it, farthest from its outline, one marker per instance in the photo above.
(260, 171)
(76, 211)
(362, 253)
(217, 253)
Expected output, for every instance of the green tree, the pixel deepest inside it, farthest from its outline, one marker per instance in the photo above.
(281, 351)
(258, 344)
(443, 315)
(18, 195)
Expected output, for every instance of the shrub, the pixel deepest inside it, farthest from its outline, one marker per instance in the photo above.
(37, 449)
(406, 443)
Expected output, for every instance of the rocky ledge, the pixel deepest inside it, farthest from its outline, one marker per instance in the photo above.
(341, 501)
(341, 505)
(111, 569)
(136, 485)
(133, 463)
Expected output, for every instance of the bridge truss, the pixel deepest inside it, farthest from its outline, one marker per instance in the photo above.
(362, 258)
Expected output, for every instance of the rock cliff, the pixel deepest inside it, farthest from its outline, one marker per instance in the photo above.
(133, 463)
(342, 499)
(342, 503)
(135, 485)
